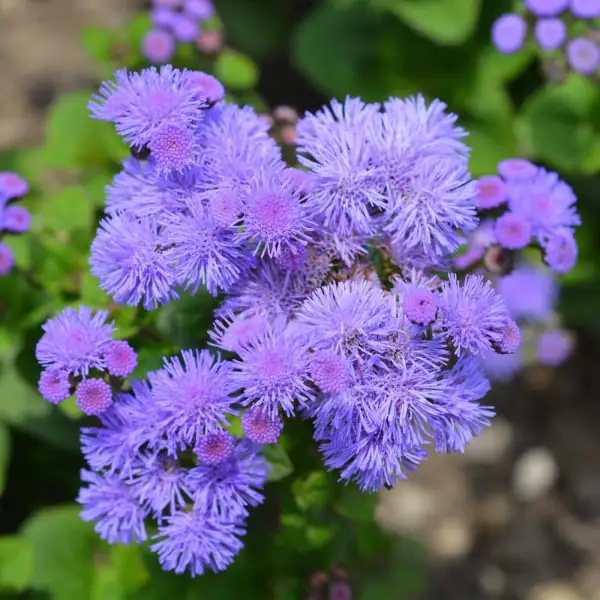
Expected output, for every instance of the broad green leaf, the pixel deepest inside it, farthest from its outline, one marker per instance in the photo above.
(490, 143)
(4, 459)
(312, 491)
(68, 209)
(446, 22)
(356, 505)
(91, 294)
(70, 409)
(338, 50)
(554, 127)
(123, 573)
(258, 28)
(98, 42)
(235, 70)
(63, 547)
(318, 535)
(18, 399)
(16, 562)
(279, 461)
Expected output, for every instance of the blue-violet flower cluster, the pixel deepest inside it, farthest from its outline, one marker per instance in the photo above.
(339, 304)
(14, 219)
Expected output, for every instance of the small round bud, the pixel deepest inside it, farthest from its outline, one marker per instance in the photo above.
(93, 396)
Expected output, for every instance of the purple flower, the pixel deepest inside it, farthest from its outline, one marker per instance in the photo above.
(511, 338)
(191, 394)
(214, 447)
(554, 347)
(508, 33)
(158, 482)
(199, 9)
(333, 143)
(193, 541)
(93, 396)
(75, 341)
(54, 385)
(227, 488)
(233, 333)
(128, 257)
(207, 86)
(472, 314)
(501, 367)
(15, 219)
(273, 216)
(517, 169)
(272, 372)
(261, 427)
(185, 29)
(158, 45)
(330, 372)
(436, 200)
(491, 192)
(585, 9)
(140, 103)
(420, 306)
(12, 186)
(109, 502)
(162, 16)
(529, 293)
(550, 34)
(226, 206)
(583, 55)
(120, 358)
(352, 318)
(560, 252)
(172, 147)
(127, 425)
(7, 259)
(513, 231)
(546, 202)
(546, 8)
(204, 253)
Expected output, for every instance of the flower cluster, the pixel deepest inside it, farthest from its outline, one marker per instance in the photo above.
(78, 354)
(551, 22)
(339, 305)
(178, 21)
(524, 205)
(13, 218)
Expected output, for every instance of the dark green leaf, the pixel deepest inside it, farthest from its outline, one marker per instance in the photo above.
(356, 505)
(311, 492)
(4, 457)
(281, 465)
(447, 22)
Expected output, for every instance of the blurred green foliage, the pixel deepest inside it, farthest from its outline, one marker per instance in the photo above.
(372, 48)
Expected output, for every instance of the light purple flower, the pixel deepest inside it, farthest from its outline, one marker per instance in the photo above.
(508, 33)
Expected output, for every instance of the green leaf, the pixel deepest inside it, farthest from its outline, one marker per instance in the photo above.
(4, 457)
(338, 51)
(20, 400)
(258, 28)
(70, 208)
(311, 492)
(122, 574)
(554, 124)
(16, 562)
(91, 294)
(356, 505)
(63, 547)
(490, 143)
(235, 70)
(70, 409)
(279, 461)
(97, 42)
(446, 22)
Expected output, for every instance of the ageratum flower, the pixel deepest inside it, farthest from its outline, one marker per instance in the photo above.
(471, 314)
(192, 396)
(193, 541)
(227, 488)
(75, 341)
(129, 258)
(334, 144)
(203, 252)
(352, 318)
(139, 104)
(109, 502)
(272, 372)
